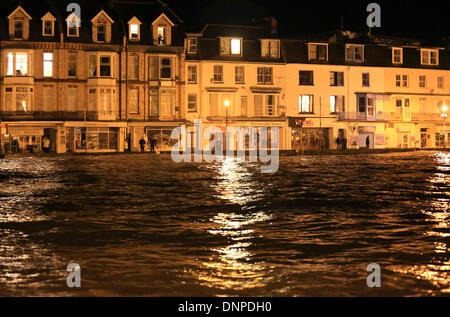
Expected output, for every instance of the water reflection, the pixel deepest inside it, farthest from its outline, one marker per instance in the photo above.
(438, 271)
(232, 266)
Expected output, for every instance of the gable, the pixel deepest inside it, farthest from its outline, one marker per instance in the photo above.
(48, 16)
(134, 20)
(163, 19)
(102, 16)
(19, 12)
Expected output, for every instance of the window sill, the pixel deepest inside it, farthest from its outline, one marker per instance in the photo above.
(306, 85)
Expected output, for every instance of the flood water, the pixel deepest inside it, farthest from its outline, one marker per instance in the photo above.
(141, 225)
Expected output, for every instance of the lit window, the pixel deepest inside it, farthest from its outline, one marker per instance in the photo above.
(235, 46)
(230, 46)
(17, 64)
(48, 64)
(305, 103)
(162, 36)
(134, 31)
(337, 104)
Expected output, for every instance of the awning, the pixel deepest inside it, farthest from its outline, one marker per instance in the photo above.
(18, 131)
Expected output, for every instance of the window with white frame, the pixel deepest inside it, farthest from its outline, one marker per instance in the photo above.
(133, 68)
(162, 35)
(239, 75)
(192, 102)
(17, 64)
(106, 105)
(318, 51)
(100, 66)
(337, 104)
(72, 98)
(72, 64)
(192, 74)
(18, 30)
(401, 81)
(101, 32)
(429, 57)
(306, 77)
(366, 79)
(47, 28)
(397, 55)
(166, 68)
(336, 78)
(265, 105)
(270, 48)
(440, 82)
(134, 31)
(354, 53)
(18, 99)
(192, 45)
(422, 81)
(48, 64)
(230, 46)
(305, 104)
(133, 100)
(218, 74)
(265, 75)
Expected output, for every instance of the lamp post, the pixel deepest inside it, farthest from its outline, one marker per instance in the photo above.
(444, 116)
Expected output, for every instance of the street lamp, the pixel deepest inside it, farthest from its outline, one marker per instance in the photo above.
(444, 116)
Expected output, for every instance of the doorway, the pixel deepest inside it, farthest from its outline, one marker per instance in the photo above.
(366, 141)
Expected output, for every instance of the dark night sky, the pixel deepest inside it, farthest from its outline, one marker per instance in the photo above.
(426, 19)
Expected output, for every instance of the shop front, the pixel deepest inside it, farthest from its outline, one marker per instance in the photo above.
(22, 140)
(95, 139)
(305, 135)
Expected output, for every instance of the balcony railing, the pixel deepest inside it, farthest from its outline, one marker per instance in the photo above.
(360, 116)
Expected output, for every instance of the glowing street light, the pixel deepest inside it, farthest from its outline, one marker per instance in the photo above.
(444, 116)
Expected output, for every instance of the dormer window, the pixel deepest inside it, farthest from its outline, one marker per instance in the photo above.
(162, 30)
(73, 25)
(134, 32)
(134, 26)
(354, 53)
(429, 57)
(162, 35)
(19, 22)
(192, 45)
(101, 28)
(48, 24)
(397, 55)
(48, 28)
(270, 48)
(230, 46)
(101, 33)
(318, 52)
(18, 30)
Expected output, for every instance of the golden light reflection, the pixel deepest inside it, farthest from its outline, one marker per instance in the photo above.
(232, 266)
(438, 272)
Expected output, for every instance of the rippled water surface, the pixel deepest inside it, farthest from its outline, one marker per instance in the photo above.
(141, 225)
